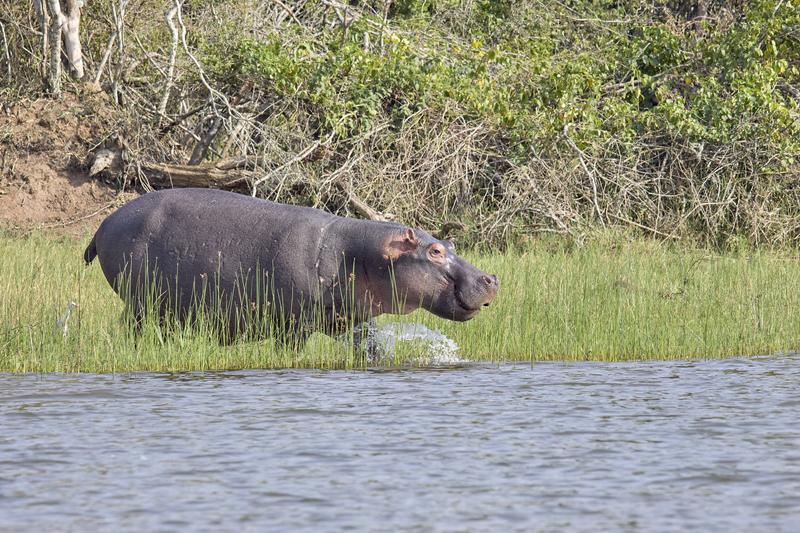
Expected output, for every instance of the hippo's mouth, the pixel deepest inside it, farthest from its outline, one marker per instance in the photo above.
(466, 311)
(462, 305)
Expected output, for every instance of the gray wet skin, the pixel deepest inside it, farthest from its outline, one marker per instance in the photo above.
(307, 269)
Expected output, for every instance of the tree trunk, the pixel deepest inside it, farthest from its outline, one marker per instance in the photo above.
(63, 27)
(72, 43)
(41, 18)
(54, 37)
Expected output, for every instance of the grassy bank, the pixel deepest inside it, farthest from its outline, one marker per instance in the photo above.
(609, 299)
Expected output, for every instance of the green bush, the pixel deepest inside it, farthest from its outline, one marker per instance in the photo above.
(529, 75)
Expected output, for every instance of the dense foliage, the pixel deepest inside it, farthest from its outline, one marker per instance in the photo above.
(530, 70)
(681, 119)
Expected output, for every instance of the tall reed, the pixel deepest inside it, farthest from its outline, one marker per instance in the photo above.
(610, 299)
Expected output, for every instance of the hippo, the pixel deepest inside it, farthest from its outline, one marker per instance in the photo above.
(247, 261)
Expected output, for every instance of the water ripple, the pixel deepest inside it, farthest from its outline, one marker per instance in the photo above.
(676, 446)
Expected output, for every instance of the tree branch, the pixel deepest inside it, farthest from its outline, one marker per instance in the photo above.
(71, 36)
(169, 17)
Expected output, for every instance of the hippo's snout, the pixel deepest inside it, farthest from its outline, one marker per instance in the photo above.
(492, 284)
(477, 292)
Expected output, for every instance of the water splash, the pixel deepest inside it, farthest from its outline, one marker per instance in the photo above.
(440, 350)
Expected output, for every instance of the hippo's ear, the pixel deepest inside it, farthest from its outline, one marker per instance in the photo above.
(400, 244)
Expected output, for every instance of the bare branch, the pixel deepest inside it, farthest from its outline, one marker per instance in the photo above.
(118, 14)
(169, 17)
(308, 150)
(5, 49)
(288, 11)
(201, 148)
(588, 173)
(106, 55)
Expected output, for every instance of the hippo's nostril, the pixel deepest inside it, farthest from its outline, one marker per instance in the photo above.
(490, 281)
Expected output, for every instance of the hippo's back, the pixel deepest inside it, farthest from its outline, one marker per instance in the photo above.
(190, 234)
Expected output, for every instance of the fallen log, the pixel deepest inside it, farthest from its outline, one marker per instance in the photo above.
(213, 176)
(228, 174)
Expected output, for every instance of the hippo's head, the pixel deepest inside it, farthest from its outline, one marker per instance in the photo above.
(427, 273)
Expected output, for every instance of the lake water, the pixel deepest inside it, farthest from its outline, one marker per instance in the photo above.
(666, 446)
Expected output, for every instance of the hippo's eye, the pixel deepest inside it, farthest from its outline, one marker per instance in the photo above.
(436, 252)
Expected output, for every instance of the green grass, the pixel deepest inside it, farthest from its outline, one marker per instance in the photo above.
(610, 299)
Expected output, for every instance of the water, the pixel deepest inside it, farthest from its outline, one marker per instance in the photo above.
(666, 446)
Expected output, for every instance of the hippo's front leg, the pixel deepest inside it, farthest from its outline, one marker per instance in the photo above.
(364, 338)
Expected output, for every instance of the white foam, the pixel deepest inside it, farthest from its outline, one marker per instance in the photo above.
(440, 350)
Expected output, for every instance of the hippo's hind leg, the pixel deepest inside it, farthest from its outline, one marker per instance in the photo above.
(133, 317)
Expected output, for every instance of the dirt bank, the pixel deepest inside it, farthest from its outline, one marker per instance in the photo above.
(44, 180)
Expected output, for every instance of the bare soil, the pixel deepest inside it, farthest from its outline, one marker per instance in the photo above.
(44, 155)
